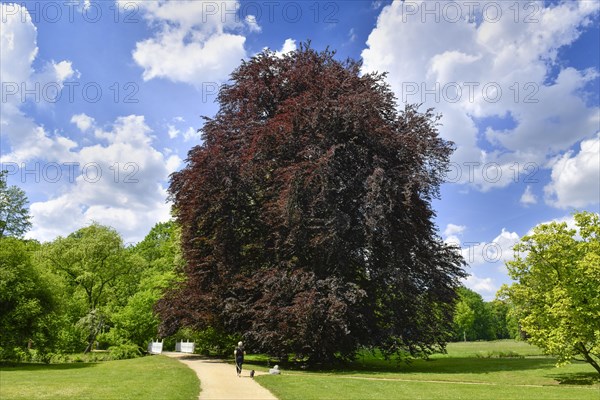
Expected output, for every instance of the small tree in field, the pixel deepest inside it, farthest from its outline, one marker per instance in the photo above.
(14, 214)
(306, 215)
(464, 317)
(558, 291)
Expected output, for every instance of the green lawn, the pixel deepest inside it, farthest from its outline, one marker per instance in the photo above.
(475, 371)
(155, 377)
(468, 371)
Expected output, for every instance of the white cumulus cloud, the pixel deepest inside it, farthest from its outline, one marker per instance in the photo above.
(499, 250)
(82, 121)
(288, 46)
(452, 232)
(489, 64)
(192, 134)
(487, 263)
(117, 184)
(528, 197)
(18, 40)
(172, 131)
(576, 178)
(194, 41)
(484, 286)
(452, 229)
(118, 181)
(252, 24)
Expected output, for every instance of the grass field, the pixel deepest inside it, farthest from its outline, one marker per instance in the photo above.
(480, 370)
(155, 378)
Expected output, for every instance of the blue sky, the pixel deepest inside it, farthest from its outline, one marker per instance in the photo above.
(101, 102)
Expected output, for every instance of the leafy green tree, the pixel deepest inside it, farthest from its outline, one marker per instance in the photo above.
(464, 317)
(161, 248)
(481, 327)
(504, 321)
(94, 262)
(134, 319)
(557, 294)
(306, 215)
(26, 301)
(14, 214)
(137, 322)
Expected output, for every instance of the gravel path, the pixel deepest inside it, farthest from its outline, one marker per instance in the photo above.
(218, 380)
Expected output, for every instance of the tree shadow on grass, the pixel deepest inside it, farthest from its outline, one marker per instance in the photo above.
(196, 357)
(579, 378)
(447, 365)
(11, 366)
(454, 365)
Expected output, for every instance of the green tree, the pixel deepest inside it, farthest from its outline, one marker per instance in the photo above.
(26, 301)
(14, 214)
(133, 320)
(557, 294)
(482, 326)
(161, 248)
(95, 263)
(464, 317)
(504, 321)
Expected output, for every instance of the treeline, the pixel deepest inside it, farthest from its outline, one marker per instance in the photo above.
(84, 291)
(89, 291)
(476, 319)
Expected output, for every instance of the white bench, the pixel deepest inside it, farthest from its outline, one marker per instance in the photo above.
(185, 347)
(155, 347)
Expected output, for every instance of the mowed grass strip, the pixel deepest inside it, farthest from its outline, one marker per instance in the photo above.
(155, 377)
(469, 371)
(295, 387)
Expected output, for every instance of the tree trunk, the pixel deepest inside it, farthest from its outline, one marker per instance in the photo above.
(91, 340)
(588, 357)
(95, 327)
(465, 336)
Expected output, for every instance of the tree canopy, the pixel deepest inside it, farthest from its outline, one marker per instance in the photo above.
(95, 263)
(306, 215)
(134, 320)
(557, 294)
(14, 214)
(476, 319)
(464, 318)
(26, 299)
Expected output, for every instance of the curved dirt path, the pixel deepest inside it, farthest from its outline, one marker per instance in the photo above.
(218, 380)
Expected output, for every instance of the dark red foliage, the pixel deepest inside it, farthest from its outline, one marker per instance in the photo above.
(306, 214)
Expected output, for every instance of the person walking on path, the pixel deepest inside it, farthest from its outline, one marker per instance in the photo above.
(215, 379)
(239, 358)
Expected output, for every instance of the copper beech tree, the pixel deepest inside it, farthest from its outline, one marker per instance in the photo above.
(306, 215)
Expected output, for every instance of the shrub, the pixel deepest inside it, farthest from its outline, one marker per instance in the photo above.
(124, 351)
